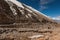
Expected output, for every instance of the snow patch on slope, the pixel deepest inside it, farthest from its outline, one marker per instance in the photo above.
(36, 36)
(20, 5)
(13, 10)
(16, 2)
(36, 11)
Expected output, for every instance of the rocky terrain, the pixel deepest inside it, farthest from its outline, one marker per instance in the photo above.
(21, 22)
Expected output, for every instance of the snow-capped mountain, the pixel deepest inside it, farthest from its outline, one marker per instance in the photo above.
(19, 21)
(15, 12)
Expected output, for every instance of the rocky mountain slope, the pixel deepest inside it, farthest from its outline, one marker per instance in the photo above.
(18, 19)
(12, 12)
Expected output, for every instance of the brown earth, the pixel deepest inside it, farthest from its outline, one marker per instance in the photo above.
(19, 27)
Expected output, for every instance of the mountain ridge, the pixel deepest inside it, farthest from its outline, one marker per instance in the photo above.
(19, 12)
(14, 11)
(21, 22)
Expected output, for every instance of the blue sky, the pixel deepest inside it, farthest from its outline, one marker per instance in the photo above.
(49, 7)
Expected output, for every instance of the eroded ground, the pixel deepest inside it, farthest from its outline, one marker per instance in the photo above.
(26, 33)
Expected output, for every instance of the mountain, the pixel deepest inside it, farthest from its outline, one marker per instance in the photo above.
(19, 21)
(12, 11)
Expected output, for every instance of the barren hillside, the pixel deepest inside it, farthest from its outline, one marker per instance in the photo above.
(21, 22)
